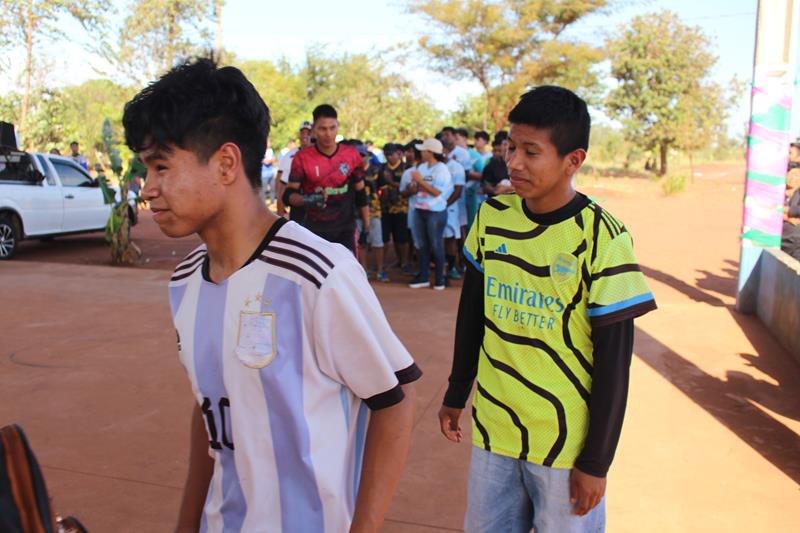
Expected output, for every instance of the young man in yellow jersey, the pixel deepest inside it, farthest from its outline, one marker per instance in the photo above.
(545, 323)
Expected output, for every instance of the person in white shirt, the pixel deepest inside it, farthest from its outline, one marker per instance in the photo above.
(304, 397)
(285, 166)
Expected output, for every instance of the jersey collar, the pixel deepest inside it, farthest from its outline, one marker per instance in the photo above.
(569, 210)
(271, 232)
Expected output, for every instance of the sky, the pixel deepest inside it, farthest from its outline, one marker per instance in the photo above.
(255, 29)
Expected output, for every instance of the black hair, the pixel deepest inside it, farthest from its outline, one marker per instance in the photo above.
(413, 146)
(482, 135)
(497, 142)
(439, 136)
(439, 157)
(324, 111)
(74, 142)
(451, 129)
(556, 109)
(462, 132)
(390, 148)
(198, 107)
(501, 136)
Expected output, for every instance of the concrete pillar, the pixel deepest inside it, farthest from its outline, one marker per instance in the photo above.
(774, 75)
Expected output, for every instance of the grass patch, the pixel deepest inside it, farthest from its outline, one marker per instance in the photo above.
(674, 184)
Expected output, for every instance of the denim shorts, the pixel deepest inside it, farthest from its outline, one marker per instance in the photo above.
(375, 239)
(507, 495)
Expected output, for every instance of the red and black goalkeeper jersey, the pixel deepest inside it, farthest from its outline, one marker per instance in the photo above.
(337, 174)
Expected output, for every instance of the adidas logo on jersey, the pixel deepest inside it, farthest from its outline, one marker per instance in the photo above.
(501, 249)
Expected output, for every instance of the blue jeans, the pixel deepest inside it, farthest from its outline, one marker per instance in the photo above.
(429, 228)
(507, 495)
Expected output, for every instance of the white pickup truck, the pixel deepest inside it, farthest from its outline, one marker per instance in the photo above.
(44, 195)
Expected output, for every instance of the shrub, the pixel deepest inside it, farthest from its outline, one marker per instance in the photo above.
(673, 184)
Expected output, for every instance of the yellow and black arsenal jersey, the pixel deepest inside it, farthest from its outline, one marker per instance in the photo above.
(545, 287)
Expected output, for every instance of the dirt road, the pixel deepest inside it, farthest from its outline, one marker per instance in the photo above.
(711, 442)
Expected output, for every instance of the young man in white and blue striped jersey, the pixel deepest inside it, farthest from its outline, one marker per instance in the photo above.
(304, 401)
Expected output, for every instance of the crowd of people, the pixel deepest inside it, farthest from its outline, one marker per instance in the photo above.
(421, 196)
(790, 242)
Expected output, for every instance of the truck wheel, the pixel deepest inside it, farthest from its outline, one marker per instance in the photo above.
(10, 235)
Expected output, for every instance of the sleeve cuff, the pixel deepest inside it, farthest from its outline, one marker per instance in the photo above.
(633, 311)
(408, 374)
(593, 468)
(457, 394)
(386, 399)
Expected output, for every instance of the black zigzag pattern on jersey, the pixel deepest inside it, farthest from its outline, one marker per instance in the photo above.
(523, 431)
(541, 345)
(535, 270)
(516, 235)
(561, 414)
(587, 366)
(580, 249)
(500, 206)
(619, 269)
(616, 227)
(587, 278)
(595, 230)
(579, 219)
(486, 445)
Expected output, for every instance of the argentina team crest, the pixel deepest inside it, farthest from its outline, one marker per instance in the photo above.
(344, 168)
(564, 268)
(255, 343)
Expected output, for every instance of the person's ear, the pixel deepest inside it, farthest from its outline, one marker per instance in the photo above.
(575, 160)
(228, 161)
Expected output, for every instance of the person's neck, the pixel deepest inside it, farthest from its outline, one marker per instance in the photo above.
(328, 149)
(233, 236)
(552, 202)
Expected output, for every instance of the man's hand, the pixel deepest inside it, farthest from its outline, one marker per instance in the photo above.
(316, 200)
(363, 236)
(416, 176)
(585, 491)
(448, 423)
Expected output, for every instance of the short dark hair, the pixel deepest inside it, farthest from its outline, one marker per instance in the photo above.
(462, 132)
(413, 146)
(324, 111)
(74, 142)
(199, 107)
(501, 135)
(439, 157)
(390, 148)
(450, 129)
(559, 110)
(497, 142)
(482, 135)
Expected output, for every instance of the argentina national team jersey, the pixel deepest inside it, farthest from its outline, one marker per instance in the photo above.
(285, 359)
(545, 288)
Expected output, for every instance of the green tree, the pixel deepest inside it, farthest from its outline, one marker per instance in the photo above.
(26, 23)
(508, 45)
(664, 97)
(156, 33)
(472, 114)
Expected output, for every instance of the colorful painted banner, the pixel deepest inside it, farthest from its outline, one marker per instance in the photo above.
(767, 159)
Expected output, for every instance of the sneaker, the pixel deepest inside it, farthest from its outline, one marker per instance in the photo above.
(453, 274)
(382, 276)
(419, 283)
(439, 286)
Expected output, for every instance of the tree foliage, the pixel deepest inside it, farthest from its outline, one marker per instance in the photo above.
(25, 23)
(508, 45)
(157, 33)
(664, 97)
